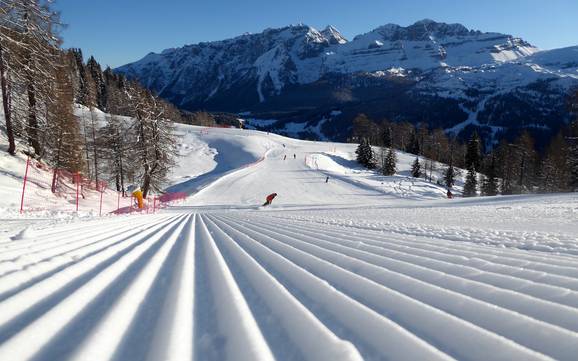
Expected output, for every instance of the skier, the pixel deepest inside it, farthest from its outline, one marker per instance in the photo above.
(449, 194)
(327, 180)
(270, 198)
(136, 192)
(294, 156)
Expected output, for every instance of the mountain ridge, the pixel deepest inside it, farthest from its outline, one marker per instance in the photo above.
(282, 70)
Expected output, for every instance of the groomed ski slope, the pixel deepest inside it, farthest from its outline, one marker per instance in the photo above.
(250, 164)
(362, 267)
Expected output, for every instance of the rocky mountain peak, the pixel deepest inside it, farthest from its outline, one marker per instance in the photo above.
(333, 35)
(423, 30)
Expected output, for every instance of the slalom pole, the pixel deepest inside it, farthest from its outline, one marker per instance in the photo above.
(100, 208)
(24, 185)
(77, 189)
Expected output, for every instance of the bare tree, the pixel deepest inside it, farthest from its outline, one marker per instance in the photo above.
(7, 42)
(155, 139)
(117, 141)
(28, 30)
(64, 145)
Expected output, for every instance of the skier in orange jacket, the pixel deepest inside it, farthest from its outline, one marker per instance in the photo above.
(269, 199)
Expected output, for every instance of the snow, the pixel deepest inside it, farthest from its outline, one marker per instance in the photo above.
(380, 49)
(205, 156)
(563, 62)
(252, 123)
(292, 129)
(360, 267)
(193, 147)
(39, 202)
(269, 65)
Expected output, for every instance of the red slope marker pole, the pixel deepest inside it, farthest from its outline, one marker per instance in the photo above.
(24, 185)
(77, 189)
(100, 208)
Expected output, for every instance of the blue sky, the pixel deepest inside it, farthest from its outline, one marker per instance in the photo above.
(121, 31)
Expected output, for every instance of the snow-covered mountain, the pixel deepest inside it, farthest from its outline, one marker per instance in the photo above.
(442, 74)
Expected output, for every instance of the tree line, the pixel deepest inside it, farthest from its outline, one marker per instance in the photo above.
(72, 114)
(508, 168)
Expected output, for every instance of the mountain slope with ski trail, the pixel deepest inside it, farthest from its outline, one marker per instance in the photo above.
(361, 267)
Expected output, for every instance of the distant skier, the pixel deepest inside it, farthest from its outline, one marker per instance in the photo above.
(449, 194)
(270, 198)
(294, 156)
(327, 180)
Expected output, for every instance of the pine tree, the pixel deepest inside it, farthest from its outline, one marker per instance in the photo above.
(119, 98)
(490, 183)
(416, 168)
(572, 157)
(372, 160)
(450, 176)
(450, 172)
(473, 153)
(414, 143)
(365, 155)
(505, 164)
(386, 135)
(364, 128)
(95, 71)
(526, 157)
(361, 153)
(554, 172)
(429, 168)
(82, 94)
(471, 185)
(390, 166)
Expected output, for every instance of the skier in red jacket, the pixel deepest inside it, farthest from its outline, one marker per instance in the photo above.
(270, 198)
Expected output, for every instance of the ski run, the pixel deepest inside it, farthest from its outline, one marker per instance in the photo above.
(344, 265)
